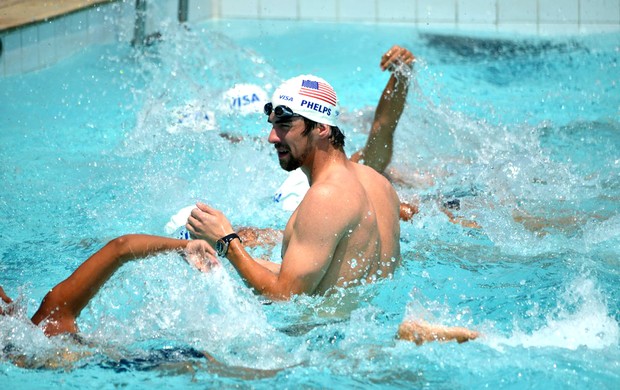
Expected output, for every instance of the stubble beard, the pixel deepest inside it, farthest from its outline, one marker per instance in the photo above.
(292, 162)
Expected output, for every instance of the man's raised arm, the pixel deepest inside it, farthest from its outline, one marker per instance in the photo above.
(377, 153)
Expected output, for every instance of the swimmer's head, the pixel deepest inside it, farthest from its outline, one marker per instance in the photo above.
(308, 96)
(243, 99)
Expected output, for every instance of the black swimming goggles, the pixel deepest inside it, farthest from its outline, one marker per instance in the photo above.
(281, 112)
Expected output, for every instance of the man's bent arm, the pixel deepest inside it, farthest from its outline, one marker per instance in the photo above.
(309, 250)
(261, 275)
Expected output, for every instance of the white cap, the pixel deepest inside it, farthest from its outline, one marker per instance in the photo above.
(309, 96)
(243, 99)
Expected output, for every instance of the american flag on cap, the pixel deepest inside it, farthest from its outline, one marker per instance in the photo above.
(318, 90)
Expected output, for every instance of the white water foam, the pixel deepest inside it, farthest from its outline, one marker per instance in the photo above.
(590, 325)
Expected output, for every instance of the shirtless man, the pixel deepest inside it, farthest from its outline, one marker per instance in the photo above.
(378, 150)
(345, 230)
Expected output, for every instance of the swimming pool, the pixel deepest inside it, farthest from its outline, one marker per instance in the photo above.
(523, 132)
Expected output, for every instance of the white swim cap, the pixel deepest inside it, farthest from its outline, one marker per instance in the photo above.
(178, 220)
(309, 96)
(244, 99)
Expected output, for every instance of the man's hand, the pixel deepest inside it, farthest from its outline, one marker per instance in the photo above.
(398, 60)
(201, 255)
(207, 223)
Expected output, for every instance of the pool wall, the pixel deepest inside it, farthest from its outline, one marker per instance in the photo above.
(32, 44)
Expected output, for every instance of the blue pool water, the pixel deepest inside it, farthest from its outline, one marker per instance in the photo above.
(524, 132)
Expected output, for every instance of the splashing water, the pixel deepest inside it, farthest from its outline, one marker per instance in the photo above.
(521, 134)
(582, 319)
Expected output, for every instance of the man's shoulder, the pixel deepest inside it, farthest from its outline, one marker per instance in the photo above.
(339, 191)
(371, 176)
(325, 190)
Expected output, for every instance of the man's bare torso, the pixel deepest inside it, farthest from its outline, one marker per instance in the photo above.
(368, 246)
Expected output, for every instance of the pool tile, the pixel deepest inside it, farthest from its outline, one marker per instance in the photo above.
(201, 10)
(510, 11)
(565, 11)
(29, 48)
(77, 30)
(442, 11)
(357, 10)
(477, 11)
(599, 11)
(397, 11)
(278, 9)
(318, 10)
(47, 44)
(96, 25)
(240, 9)
(122, 21)
(12, 52)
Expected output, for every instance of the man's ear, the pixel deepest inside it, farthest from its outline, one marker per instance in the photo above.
(325, 131)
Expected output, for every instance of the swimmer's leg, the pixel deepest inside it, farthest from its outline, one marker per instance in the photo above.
(63, 304)
(420, 332)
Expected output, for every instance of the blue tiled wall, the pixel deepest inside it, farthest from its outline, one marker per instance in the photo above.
(38, 45)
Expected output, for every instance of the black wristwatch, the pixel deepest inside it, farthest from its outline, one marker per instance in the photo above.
(221, 245)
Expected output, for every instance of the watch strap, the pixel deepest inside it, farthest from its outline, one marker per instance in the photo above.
(226, 242)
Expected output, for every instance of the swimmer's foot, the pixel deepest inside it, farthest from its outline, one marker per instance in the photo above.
(420, 332)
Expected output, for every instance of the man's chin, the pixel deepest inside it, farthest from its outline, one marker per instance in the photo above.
(288, 165)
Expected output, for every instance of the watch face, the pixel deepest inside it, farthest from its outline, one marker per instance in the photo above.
(220, 247)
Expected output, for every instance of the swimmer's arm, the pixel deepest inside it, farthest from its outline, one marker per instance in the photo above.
(297, 274)
(268, 279)
(377, 153)
(63, 304)
(309, 250)
(5, 298)
(270, 265)
(460, 221)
